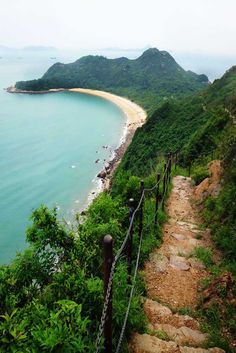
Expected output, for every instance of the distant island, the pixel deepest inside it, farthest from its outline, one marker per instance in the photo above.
(155, 74)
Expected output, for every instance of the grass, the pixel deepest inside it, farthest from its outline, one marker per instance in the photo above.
(162, 335)
(204, 255)
(212, 325)
(186, 311)
(178, 170)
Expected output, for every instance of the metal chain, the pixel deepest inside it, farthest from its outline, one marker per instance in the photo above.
(135, 273)
(109, 287)
(105, 306)
(130, 297)
(159, 181)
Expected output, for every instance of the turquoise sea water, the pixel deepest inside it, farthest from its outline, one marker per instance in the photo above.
(48, 148)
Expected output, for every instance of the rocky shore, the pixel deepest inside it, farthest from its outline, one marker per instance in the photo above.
(13, 89)
(107, 173)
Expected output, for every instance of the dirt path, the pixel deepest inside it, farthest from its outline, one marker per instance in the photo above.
(173, 277)
(233, 117)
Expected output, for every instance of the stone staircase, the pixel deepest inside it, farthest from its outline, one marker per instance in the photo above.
(173, 277)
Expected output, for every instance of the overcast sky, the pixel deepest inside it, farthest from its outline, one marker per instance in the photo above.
(203, 26)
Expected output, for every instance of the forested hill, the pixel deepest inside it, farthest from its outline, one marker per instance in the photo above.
(192, 124)
(154, 71)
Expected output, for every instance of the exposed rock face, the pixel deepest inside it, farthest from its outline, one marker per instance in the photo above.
(210, 186)
(102, 174)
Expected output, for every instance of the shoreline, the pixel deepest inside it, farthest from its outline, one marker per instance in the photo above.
(135, 117)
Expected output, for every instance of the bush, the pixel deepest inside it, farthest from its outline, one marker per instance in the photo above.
(199, 174)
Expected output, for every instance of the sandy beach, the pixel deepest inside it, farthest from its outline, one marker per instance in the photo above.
(134, 113)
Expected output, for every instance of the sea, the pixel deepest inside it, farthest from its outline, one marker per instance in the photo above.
(52, 146)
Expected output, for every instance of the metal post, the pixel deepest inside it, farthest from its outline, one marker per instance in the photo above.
(157, 198)
(140, 228)
(108, 258)
(170, 166)
(164, 187)
(130, 240)
(168, 172)
(189, 169)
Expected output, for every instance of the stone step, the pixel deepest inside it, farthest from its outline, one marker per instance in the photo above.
(180, 263)
(160, 314)
(178, 236)
(189, 225)
(162, 262)
(183, 335)
(200, 350)
(150, 344)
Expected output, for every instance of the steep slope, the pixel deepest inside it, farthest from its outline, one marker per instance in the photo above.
(195, 122)
(155, 71)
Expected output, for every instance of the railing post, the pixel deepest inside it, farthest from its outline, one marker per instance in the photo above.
(140, 228)
(164, 187)
(157, 198)
(108, 259)
(130, 240)
(168, 172)
(170, 166)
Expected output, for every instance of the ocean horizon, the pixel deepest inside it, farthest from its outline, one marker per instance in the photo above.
(52, 148)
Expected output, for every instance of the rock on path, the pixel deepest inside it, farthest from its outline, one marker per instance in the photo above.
(172, 277)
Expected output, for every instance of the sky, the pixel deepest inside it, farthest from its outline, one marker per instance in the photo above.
(195, 26)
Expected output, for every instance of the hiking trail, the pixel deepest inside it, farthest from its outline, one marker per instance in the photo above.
(173, 279)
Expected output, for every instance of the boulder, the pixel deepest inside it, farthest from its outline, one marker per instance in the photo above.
(102, 174)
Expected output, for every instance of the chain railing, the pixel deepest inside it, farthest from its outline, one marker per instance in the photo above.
(110, 262)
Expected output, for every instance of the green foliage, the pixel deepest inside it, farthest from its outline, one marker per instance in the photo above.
(199, 174)
(166, 130)
(220, 211)
(147, 79)
(206, 139)
(162, 335)
(213, 323)
(105, 216)
(187, 311)
(52, 294)
(205, 255)
(59, 330)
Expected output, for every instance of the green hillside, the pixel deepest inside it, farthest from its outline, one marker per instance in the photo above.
(173, 124)
(154, 75)
(52, 294)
